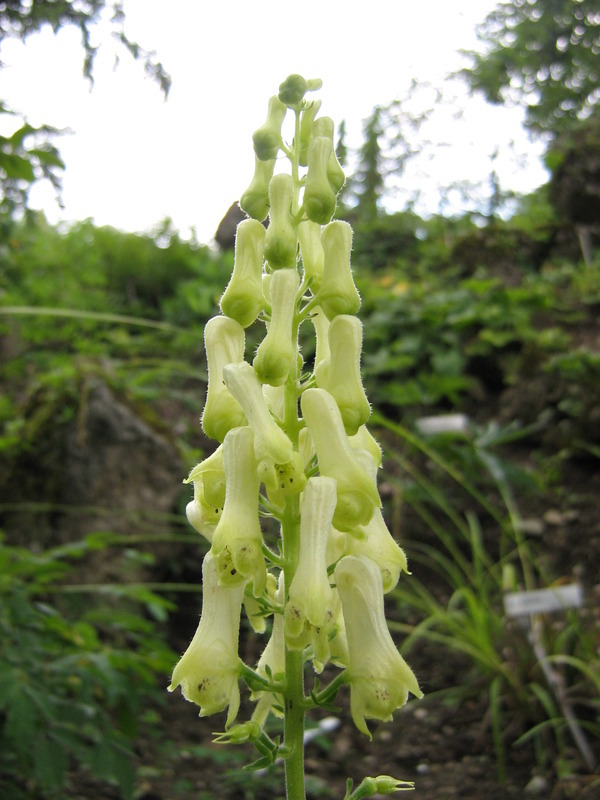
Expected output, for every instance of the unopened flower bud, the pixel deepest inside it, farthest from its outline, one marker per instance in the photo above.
(321, 326)
(306, 446)
(201, 519)
(364, 440)
(357, 495)
(367, 788)
(243, 383)
(281, 238)
(310, 603)
(379, 678)
(209, 670)
(276, 353)
(224, 343)
(311, 250)
(385, 784)
(324, 127)
(254, 608)
(337, 294)
(208, 478)
(275, 397)
(375, 541)
(340, 373)
(382, 784)
(292, 90)
(237, 540)
(255, 200)
(210, 474)
(243, 299)
(319, 197)
(339, 644)
(279, 465)
(267, 139)
(239, 734)
(306, 130)
(266, 286)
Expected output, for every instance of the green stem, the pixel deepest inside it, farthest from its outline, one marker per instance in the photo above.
(294, 725)
(294, 667)
(295, 707)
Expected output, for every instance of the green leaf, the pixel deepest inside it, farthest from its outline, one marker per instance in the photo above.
(49, 763)
(21, 721)
(18, 137)
(9, 684)
(49, 157)
(123, 771)
(16, 167)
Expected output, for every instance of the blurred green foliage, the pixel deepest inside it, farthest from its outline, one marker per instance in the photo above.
(89, 300)
(544, 55)
(159, 276)
(76, 678)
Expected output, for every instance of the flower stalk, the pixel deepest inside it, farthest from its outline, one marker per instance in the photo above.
(292, 444)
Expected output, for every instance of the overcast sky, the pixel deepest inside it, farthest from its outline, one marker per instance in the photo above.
(133, 159)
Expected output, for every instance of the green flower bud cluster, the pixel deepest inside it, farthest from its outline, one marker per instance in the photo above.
(292, 445)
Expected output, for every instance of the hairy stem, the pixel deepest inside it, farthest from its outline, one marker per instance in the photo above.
(294, 667)
(295, 707)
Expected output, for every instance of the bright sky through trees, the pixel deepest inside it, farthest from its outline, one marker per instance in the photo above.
(133, 159)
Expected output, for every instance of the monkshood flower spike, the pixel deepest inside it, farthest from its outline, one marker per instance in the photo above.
(286, 496)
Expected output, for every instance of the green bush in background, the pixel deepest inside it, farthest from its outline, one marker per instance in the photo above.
(77, 680)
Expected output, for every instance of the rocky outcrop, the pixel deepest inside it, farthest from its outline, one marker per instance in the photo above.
(88, 463)
(225, 235)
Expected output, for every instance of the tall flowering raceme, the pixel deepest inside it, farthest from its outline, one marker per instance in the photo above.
(293, 446)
